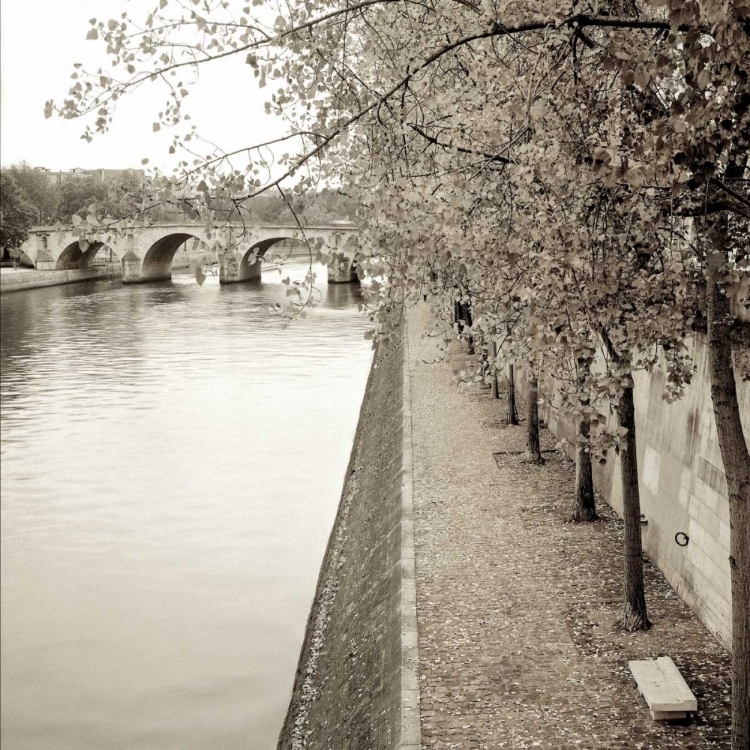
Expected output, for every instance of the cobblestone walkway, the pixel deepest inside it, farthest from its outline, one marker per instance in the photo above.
(515, 605)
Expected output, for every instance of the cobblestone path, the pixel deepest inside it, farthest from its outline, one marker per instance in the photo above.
(516, 606)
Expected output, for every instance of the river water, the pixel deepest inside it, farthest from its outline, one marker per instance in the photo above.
(172, 460)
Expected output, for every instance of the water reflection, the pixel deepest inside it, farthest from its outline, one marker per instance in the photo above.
(172, 457)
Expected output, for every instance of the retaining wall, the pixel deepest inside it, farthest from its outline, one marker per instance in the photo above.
(16, 280)
(682, 485)
(356, 683)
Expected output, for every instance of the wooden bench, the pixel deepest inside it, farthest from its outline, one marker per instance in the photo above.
(661, 684)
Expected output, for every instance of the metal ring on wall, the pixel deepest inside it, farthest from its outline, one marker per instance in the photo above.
(681, 539)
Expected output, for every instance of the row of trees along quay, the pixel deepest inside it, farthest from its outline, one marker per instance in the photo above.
(577, 170)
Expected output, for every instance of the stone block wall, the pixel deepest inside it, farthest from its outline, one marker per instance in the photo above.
(349, 682)
(34, 279)
(683, 488)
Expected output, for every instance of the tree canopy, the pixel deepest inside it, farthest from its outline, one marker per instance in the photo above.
(40, 191)
(16, 212)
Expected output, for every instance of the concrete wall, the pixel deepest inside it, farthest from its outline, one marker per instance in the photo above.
(12, 280)
(351, 687)
(683, 488)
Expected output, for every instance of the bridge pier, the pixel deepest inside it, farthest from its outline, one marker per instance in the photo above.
(131, 268)
(236, 269)
(134, 271)
(341, 270)
(44, 260)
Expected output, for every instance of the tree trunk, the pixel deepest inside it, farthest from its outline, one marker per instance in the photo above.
(493, 372)
(584, 508)
(634, 616)
(736, 458)
(468, 319)
(458, 315)
(534, 450)
(512, 410)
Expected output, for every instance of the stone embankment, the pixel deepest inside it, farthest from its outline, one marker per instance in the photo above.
(356, 683)
(516, 606)
(13, 280)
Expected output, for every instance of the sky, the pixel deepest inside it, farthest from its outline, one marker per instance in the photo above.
(40, 42)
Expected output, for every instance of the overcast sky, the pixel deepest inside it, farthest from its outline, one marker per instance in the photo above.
(42, 39)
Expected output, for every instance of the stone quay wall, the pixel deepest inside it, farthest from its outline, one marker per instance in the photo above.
(356, 683)
(682, 484)
(12, 280)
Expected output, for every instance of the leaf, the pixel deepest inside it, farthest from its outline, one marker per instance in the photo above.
(93, 34)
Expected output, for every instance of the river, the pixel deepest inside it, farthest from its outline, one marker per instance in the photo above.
(172, 460)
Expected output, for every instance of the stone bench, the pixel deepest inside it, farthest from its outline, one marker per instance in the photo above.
(666, 692)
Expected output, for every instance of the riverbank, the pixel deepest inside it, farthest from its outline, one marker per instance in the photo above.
(19, 279)
(515, 605)
(356, 683)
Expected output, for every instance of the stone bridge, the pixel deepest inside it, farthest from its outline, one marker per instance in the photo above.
(146, 252)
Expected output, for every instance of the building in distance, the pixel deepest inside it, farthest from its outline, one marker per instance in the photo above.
(96, 175)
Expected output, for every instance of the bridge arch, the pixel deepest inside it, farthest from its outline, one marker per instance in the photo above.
(73, 257)
(341, 266)
(157, 261)
(261, 248)
(246, 266)
(25, 261)
(250, 265)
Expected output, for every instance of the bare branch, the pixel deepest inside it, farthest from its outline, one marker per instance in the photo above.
(461, 149)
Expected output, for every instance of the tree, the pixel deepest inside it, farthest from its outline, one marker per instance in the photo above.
(534, 448)
(40, 192)
(77, 194)
(124, 194)
(16, 213)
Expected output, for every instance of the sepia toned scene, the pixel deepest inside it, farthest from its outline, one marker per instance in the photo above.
(375, 375)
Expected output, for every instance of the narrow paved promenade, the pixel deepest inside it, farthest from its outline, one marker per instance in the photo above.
(516, 606)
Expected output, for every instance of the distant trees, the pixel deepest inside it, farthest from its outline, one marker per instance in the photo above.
(40, 191)
(117, 196)
(16, 212)
(47, 201)
(315, 207)
(77, 194)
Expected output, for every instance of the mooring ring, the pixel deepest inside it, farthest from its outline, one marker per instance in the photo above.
(682, 539)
